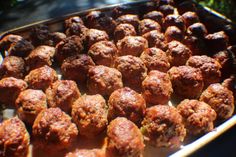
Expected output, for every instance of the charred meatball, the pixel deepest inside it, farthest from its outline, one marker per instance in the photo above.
(85, 153)
(62, 94)
(198, 30)
(89, 113)
(70, 21)
(175, 20)
(76, 67)
(41, 78)
(10, 88)
(57, 37)
(155, 59)
(103, 53)
(198, 117)
(132, 45)
(14, 137)
(29, 104)
(178, 53)
(147, 25)
(123, 30)
(125, 102)
(103, 80)
(40, 35)
(210, 68)
(190, 18)
(155, 15)
(124, 139)
(186, 81)
(94, 35)
(133, 71)
(157, 88)
(53, 128)
(163, 127)
(156, 39)
(130, 19)
(42, 55)
(220, 99)
(173, 33)
(12, 66)
(166, 9)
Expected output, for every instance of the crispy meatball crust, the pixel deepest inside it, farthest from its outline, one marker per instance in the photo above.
(124, 139)
(190, 18)
(14, 138)
(198, 30)
(132, 45)
(53, 128)
(12, 66)
(133, 71)
(147, 25)
(125, 102)
(103, 53)
(103, 80)
(85, 153)
(40, 35)
(220, 99)
(163, 126)
(186, 81)
(95, 35)
(166, 9)
(175, 20)
(155, 15)
(10, 88)
(173, 33)
(62, 94)
(70, 21)
(123, 30)
(198, 116)
(130, 19)
(155, 39)
(89, 113)
(57, 37)
(7, 40)
(155, 59)
(41, 78)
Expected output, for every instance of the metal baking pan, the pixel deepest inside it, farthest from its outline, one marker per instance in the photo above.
(191, 144)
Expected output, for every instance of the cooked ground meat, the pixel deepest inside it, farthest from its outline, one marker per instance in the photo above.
(230, 83)
(166, 9)
(77, 29)
(173, 33)
(155, 39)
(175, 20)
(70, 21)
(95, 35)
(123, 30)
(190, 18)
(130, 19)
(147, 25)
(57, 37)
(195, 44)
(186, 6)
(40, 35)
(155, 15)
(198, 30)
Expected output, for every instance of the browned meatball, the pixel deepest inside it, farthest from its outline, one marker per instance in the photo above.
(10, 88)
(40, 56)
(7, 40)
(197, 29)
(57, 37)
(12, 66)
(40, 35)
(85, 153)
(186, 81)
(77, 29)
(53, 129)
(103, 80)
(147, 25)
(155, 59)
(196, 45)
(130, 19)
(76, 67)
(89, 113)
(190, 18)
(94, 35)
(230, 83)
(103, 53)
(70, 21)
(29, 104)
(210, 68)
(133, 71)
(166, 9)
(157, 88)
(175, 20)
(163, 127)
(155, 39)
(198, 117)
(70, 46)
(125, 102)
(178, 53)
(132, 45)
(41, 78)
(123, 30)
(62, 94)
(220, 99)
(124, 139)
(186, 6)
(14, 138)
(155, 15)
(173, 33)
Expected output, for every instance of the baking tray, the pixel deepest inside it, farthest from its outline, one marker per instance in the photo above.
(190, 145)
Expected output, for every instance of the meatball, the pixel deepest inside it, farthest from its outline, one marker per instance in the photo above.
(94, 35)
(210, 68)
(70, 46)
(41, 78)
(155, 15)
(196, 45)
(124, 139)
(40, 35)
(103, 53)
(166, 9)
(85, 153)
(173, 33)
(186, 6)
(10, 88)
(12, 66)
(198, 117)
(89, 113)
(157, 88)
(132, 45)
(178, 53)
(133, 71)
(14, 137)
(125, 102)
(163, 127)
(40, 56)
(175, 20)
(190, 18)
(62, 94)
(130, 19)
(147, 25)
(186, 81)
(230, 83)
(76, 67)
(53, 129)
(70, 21)
(7, 40)
(57, 37)
(197, 29)
(155, 59)
(123, 30)
(77, 29)
(103, 80)
(155, 39)
(29, 104)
